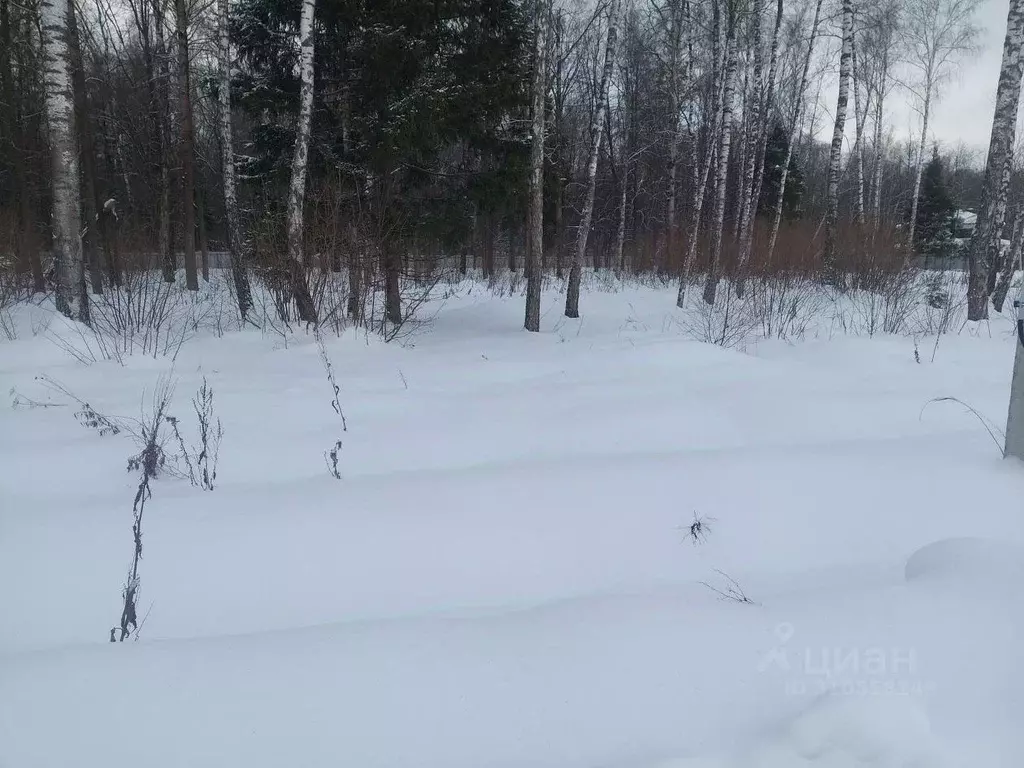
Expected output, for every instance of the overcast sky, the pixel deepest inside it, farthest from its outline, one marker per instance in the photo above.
(964, 113)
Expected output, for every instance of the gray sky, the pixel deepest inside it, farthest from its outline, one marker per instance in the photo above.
(965, 111)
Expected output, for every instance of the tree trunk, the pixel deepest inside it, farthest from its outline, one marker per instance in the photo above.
(985, 241)
(187, 149)
(793, 134)
(392, 284)
(535, 246)
(859, 120)
(752, 139)
(1010, 264)
(297, 189)
(71, 296)
(572, 294)
(236, 247)
(677, 23)
(161, 92)
(747, 234)
(724, 144)
(876, 192)
(701, 180)
(919, 170)
(835, 155)
(87, 191)
(204, 250)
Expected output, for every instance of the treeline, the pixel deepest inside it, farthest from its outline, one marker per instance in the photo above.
(385, 141)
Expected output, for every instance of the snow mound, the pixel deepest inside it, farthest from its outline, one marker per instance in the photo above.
(967, 558)
(839, 731)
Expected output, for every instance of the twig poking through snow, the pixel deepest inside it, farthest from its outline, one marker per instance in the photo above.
(989, 427)
(732, 590)
(697, 532)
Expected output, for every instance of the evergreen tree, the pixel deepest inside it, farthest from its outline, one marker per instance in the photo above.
(410, 97)
(774, 156)
(935, 207)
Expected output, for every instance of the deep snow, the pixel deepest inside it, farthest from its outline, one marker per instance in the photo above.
(503, 576)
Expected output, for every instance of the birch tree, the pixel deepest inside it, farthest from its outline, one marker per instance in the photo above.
(535, 277)
(300, 158)
(765, 115)
(678, 18)
(937, 33)
(243, 294)
(161, 85)
(72, 298)
(794, 132)
(988, 230)
(187, 148)
(724, 145)
(702, 174)
(835, 154)
(572, 294)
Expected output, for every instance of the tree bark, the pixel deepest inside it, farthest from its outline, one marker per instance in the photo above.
(187, 150)
(572, 294)
(535, 246)
(236, 247)
(724, 144)
(87, 193)
(859, 120)
(985, 241)
(161, 92)
(678, 13)
(835, 154)
(793, 135)
(700, 180)
(72, 298)
(747, 234)
(297, 189)
(919, 169)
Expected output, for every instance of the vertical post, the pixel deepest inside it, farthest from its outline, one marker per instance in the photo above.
(1015, 418)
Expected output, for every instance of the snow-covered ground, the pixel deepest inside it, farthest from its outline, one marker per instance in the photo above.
(504, 576)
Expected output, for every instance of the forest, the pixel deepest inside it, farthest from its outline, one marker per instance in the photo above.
(344, 155)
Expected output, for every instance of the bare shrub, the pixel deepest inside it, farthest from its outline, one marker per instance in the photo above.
(727, 323)
(331, 456)
(147, 462)
(86, 415)
(201, 459)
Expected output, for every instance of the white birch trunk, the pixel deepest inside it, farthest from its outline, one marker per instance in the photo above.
(71, 296)
(876, 191)
(985, 242)
(724, 146)
(535, 277)
(793, 134)
(243, 294)
(168, 260)
(700, 180)
(752, 137)
(835, 155)
(297, 190)
(919, 169)
(675, 116)
(859, 119)
(572, 295)
(747, 234)
(620, 231)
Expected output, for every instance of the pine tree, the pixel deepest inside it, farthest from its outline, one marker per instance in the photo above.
(935, 206)
(776, 152)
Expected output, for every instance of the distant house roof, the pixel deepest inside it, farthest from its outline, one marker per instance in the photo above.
(966, 219)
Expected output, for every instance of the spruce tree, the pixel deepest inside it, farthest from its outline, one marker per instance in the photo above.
(775, 153)
(935, 207)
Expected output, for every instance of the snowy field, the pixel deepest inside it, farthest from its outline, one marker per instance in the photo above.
(504, 577)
